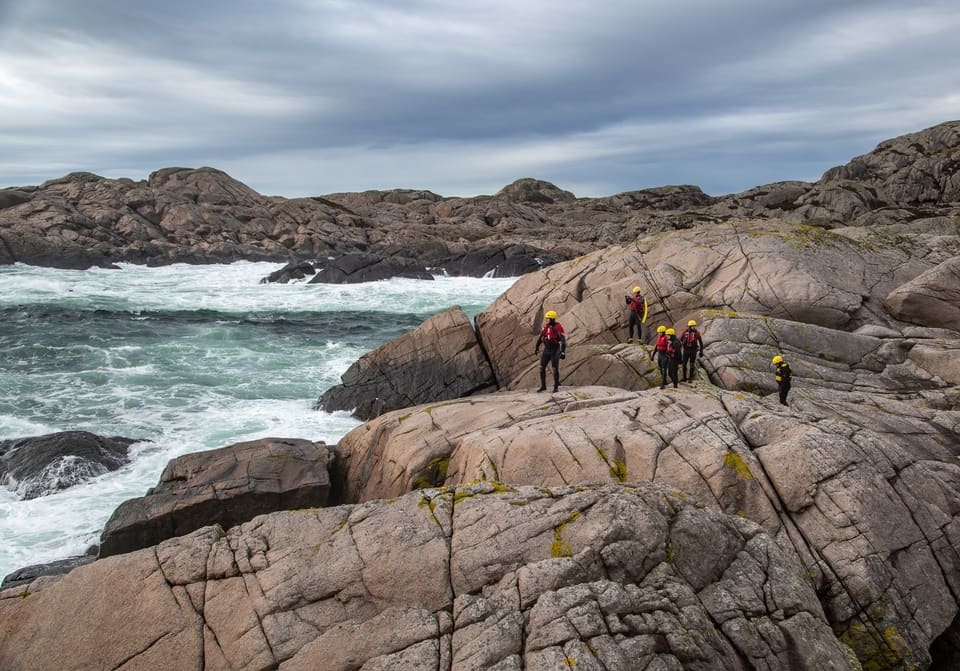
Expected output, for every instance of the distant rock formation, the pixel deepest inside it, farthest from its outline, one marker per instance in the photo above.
(204, 216)
(41, 465)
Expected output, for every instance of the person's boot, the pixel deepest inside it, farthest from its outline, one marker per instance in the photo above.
(555, 389)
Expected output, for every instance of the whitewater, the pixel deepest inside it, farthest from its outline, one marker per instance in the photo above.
(183, 358)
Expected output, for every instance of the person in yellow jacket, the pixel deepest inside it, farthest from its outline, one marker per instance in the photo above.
(782, 376)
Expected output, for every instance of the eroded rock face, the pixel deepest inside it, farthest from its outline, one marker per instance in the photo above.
(225, 486)
(440, 359)
(41, 465)
(861, 488)
(608, 577)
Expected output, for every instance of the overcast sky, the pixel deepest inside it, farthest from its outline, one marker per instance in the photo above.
(461, 97)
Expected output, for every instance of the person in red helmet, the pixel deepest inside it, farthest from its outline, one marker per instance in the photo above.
(554, 342)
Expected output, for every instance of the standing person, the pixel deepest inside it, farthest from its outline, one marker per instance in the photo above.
(692, 343)
(554, 342)
(663, 359)
(782, 376)
(674, 355)
(638, 312)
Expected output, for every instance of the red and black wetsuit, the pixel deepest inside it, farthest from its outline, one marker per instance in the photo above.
(554, 342)
(636, 314)
(692, 345)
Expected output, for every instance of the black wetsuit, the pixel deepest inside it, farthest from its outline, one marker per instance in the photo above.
(554, 342)
(783, 380)
(674, 355)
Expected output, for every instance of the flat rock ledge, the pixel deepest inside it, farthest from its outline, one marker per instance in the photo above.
(475, 577)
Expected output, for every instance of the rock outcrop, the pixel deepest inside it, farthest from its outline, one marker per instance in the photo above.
(477, 577)
(441, 359)
(225, 486)
(357, 268)
(41, 465)
(203, 215)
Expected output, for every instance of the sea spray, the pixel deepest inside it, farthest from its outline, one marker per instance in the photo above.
(182, 358)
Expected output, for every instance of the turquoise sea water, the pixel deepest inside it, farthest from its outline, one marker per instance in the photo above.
(184, 358)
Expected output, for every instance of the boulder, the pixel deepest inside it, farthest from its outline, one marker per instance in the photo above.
(498, 261)
(41, 465)
(295, 270)
(440, 359)
(356, 268)
(226, 486)
(480, 577)
(930, 299)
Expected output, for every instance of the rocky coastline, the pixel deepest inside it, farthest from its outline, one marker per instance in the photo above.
(473, 523)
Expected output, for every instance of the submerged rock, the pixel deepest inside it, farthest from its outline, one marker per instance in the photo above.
(41, 465)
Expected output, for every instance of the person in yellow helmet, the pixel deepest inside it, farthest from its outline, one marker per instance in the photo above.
(554, 342)
(637, 306)
(660, 348)
(692, 343)
(782, 376)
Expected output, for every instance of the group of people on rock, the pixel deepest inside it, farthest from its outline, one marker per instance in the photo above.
(673, 354)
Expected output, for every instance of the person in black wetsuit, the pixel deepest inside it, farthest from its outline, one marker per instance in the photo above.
(692, 343)
(554, 342)
(782, 376)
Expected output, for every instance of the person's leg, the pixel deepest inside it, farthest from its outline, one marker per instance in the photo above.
(784, 389)
(556, 370)
(673, 373)
(543, 371)
(633, 321)
(662, 367)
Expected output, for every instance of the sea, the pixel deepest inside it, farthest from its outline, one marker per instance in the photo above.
(182, 358)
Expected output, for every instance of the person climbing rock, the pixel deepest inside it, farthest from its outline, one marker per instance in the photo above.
(674, 354)
(637, 306)
(782, 376)
(692, 343)
(554, 342)
(661, 348)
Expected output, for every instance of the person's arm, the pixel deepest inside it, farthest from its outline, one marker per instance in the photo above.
(536, 350)
(700, 340)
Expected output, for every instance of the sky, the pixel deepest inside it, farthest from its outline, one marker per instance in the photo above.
(460, 97)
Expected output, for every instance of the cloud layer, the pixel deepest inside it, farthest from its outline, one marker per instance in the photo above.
(300, 97)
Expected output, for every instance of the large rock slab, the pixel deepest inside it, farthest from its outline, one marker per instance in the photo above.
(479, 577)
(777, 270)
(41, 465)
(863, 488)
(226, 486)
(440, 359)
(357, 268)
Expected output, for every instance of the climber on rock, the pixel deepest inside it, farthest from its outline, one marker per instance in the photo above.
(554, 342)
(782, 376)
(692, 343)
(637, 306)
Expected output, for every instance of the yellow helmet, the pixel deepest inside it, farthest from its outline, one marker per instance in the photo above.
(777, 359)
(637, 290)
(691, 323)
(661, 329)
(671, 332)
(551, 314)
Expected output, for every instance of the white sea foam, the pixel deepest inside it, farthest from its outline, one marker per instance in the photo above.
(243, 363)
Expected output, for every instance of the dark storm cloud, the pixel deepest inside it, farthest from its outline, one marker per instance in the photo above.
(309, 97)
